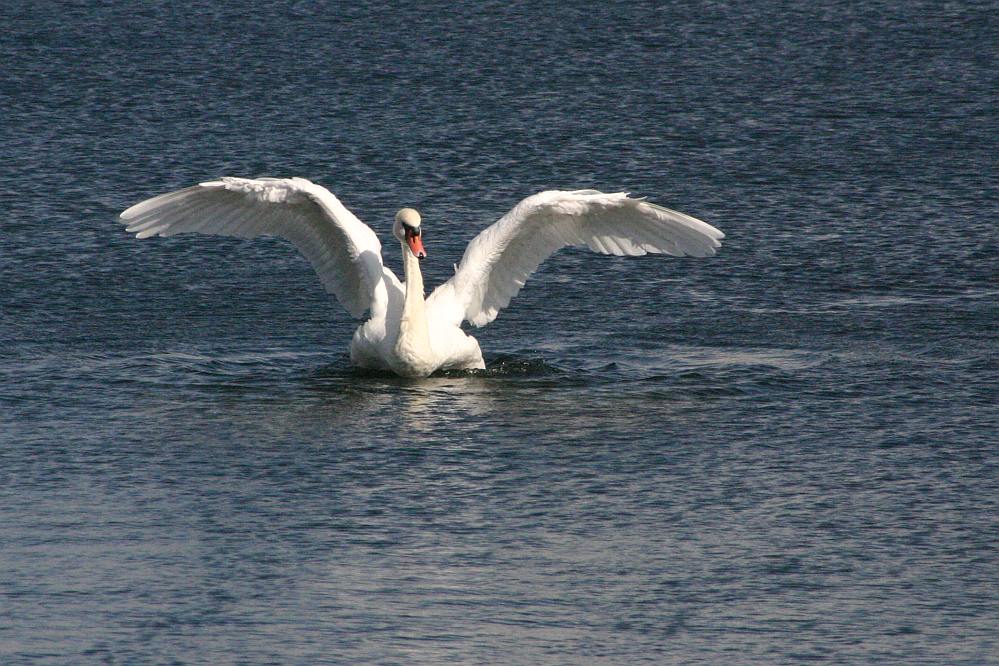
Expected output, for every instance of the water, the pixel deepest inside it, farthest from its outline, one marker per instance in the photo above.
(783, 453)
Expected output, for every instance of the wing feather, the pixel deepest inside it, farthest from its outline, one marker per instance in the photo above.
(499, 260)
(344, 252)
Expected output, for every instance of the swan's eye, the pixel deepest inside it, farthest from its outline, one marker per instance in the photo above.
(411, 231)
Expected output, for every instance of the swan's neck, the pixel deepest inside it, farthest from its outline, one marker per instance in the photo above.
(413, 344)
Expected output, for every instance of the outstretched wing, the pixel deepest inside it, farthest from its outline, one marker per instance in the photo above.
(344, 251)
(499, 260)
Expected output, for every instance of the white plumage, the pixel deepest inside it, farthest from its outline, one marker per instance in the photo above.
(406, 333)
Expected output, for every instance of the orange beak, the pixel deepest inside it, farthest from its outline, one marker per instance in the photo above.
(415, 243)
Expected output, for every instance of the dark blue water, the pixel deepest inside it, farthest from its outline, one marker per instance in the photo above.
(784, 453)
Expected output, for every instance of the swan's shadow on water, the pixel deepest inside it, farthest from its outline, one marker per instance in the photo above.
(509, 382)
(428, 405)
(498, 366)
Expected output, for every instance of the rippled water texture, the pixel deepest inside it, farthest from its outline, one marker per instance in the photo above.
(780, 454)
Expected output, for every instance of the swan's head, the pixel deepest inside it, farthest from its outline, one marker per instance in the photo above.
(407, 230)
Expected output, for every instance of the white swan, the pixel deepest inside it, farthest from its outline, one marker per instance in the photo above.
(405, 333)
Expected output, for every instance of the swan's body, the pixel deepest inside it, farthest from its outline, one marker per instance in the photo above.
(406, 333)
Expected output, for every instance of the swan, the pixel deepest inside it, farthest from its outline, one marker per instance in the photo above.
(406, 333)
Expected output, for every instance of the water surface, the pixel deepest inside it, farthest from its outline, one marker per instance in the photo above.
(780, 454)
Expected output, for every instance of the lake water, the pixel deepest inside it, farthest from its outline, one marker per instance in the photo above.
(784, 453)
